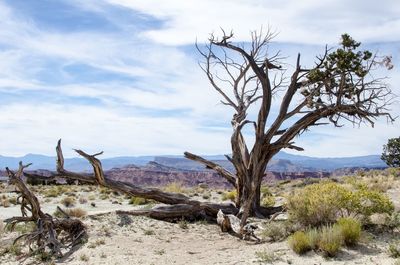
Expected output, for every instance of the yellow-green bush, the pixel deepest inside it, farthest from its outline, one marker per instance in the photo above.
(330, 240)
(138, 201)
(229, 195)
(350, 229)
(175, 187)
(299, 242)
(323, 203)
(267, 198)
(268, 201)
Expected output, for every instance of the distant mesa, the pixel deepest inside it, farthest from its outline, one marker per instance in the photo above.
(160, 170)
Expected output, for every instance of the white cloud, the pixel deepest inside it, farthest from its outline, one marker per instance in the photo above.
(94, 128)
(170, 79)
(308, 21)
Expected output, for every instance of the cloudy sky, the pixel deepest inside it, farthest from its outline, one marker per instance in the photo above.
(122, 75)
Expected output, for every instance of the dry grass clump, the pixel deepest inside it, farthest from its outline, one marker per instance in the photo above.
(104, 196)
(229, 195)
(82, 200)
(323, 203)
(76, 212)
(97, 243)
(183, 224)
(56, 191)
(275, 231)
(84, 258)
(350, 229)
(265, 256)
(138, 201)
(331, 240)
(313, 236)
(1, 227)
(175, 187)
(5, 203)
(68, 201)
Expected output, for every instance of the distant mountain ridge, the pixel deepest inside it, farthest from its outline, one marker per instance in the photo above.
(282, 162)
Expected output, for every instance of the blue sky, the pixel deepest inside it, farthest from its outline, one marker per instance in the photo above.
(122, 75)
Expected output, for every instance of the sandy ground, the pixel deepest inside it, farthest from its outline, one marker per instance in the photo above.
(115, 239)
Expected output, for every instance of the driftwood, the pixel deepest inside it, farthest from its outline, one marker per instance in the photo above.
(50, 234)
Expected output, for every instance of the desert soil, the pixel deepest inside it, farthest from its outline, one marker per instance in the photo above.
(115, 239)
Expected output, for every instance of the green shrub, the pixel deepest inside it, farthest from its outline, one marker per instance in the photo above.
(229, 195)
(330, 240)
(322, 203)
(299, 242)
(350, 229)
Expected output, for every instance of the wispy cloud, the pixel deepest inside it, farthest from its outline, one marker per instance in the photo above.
(123, 76)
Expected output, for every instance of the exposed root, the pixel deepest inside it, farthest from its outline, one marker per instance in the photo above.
(50, 235)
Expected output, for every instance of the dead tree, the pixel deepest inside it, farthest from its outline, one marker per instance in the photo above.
(338, 87)
(50, 234)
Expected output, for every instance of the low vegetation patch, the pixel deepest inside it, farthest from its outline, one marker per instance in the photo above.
(275, 231)
(394, 250)
(328, 239)
(138, 201)
(331, 240)
(325, 202)
(76, 212)
(229, 195)
(350, 229)
(299, 242)
(68, 201)
(175, 187)
(265, 256)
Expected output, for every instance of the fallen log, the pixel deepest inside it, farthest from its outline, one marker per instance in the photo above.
(178, 205)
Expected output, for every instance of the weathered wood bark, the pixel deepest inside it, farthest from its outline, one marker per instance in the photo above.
(50, 234)
(181, 205)
(231, 223)
(338, 87)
